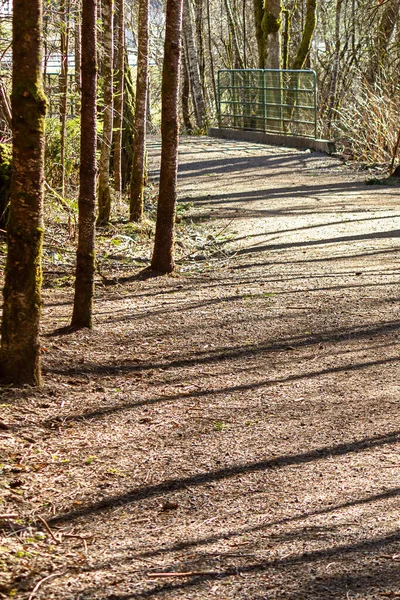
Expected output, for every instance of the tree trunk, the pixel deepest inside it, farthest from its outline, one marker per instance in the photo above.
(20, 351)
(308, 32)
(211, 57)
(271, 27)
(85, 264)
(128, 130)
(139, 150)
(386, 26)
(77, 44)
(335, 68)
(64, 47)
(238, 61)
(119, 96)
(163, 253)
(285, 38)
(198, 5)
(185, 89)
(108, 92)
(258, 7)
(193, 66)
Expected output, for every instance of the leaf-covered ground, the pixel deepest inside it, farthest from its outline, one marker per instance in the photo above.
(231, 431)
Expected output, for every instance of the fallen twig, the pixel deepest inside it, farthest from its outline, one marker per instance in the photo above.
(37, 586)
(49, 531)
(183, 574)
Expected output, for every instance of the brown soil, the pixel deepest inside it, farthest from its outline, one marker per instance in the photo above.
(237, 423)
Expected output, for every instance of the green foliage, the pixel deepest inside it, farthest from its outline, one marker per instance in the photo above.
(219, 426)
(53, 151)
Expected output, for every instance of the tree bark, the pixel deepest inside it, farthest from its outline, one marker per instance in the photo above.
(85, 264)
(77, 44)
(238, 61)
(271, 27)
(185, 91)
(198, 6)
(142, 79)
(258, 8)
(308, 32)
(386, 26)
(108, 93)
(128, 130)
(163, 253)
(20, 351)
(335, 67)
(64, 47)
(193, 66)
(211, 57)
(119, 97)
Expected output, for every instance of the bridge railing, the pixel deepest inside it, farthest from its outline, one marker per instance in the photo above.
(270, 100)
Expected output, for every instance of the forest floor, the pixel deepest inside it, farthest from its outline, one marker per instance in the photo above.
(233, 430)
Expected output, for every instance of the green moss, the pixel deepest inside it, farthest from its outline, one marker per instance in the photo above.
(309, 28)
(5, 181)
(270, 23)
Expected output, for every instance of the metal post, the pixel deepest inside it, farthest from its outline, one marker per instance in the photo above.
(265, 112)
(219, 100)
(315, 105)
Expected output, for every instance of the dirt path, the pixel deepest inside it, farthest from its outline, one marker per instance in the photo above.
(239, 421)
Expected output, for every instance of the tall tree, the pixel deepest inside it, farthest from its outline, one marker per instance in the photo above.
(108, 92)
(142, 79)
(238, 61)
(192, 61)
(64, 51)
(119, 94)
(20, 352)
(386, 26)
(306, 38)
(77, 43)
(335, 68)
(271, 27)
(85, 263)
(163, 253)
(258, 12)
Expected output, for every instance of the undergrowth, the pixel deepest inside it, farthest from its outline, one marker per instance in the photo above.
(367, 127)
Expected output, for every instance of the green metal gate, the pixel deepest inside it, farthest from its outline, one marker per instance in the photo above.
(269, 100)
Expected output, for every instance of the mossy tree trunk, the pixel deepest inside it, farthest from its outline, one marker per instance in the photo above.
(5, 183)
(119, 95)
(128, 129)
(163, 253)
(64, 50)
(85, 265)
(20, 351)
(308, 32)
(271, 27)
(258, 11)
(105, 155)
(139, 149)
